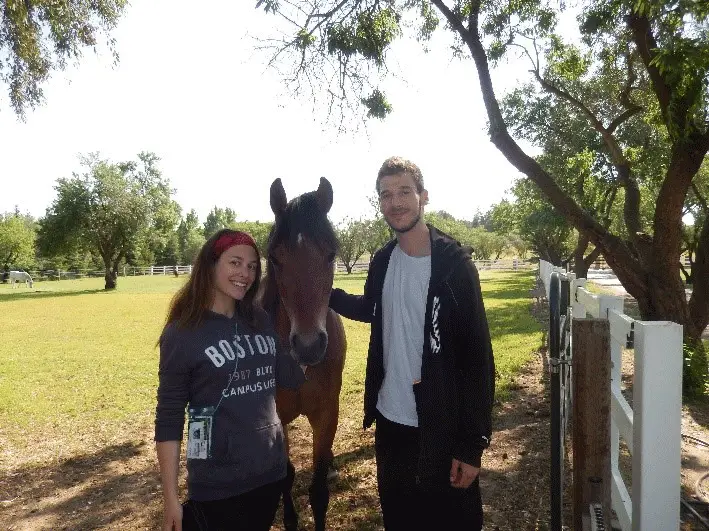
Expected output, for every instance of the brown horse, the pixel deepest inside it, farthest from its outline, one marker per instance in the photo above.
(301, 252)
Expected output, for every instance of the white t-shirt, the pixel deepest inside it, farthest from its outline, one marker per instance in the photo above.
(403, 315)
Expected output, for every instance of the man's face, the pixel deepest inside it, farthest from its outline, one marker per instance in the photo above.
(400, 203)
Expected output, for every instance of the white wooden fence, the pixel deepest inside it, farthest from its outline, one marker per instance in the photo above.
(507, 264)
(651, 429)
(360, 267)
(60, 274)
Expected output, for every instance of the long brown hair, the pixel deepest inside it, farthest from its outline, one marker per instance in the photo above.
(192, 301)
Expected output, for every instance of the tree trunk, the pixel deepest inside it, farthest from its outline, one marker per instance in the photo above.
(550, 255)
(699, 302)
(580, 267)
(110, 280)
(581, 263)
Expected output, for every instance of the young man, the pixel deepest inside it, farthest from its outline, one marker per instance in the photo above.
(430, 370)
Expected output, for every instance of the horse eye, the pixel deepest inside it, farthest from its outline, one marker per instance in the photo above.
(331, 257)
(275, 262)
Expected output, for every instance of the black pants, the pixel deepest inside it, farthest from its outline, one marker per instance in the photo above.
(408, 505)
(251, 511)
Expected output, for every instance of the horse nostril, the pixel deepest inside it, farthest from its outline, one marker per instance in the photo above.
(322, 337)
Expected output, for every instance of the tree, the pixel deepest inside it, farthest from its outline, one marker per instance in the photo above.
(37, 37)
(218, 219)
(190, 237)
(376, 233)
(545, 231)
(498, 242)
(455, 228)
(157, 243)
(659, 55)
(259, 231)
(17, 241)
(698, 210)
(376, 230)
(352, 236)
(504, 218)
(482, 219)
(106, 209)
(520, 246)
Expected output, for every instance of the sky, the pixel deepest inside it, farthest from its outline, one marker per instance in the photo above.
(191, 87)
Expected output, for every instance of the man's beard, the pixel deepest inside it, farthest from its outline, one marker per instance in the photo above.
(408, 227)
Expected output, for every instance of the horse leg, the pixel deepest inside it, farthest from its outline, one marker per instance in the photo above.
(319, 493)
(290, 516)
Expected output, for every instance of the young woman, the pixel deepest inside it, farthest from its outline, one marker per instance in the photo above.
(219, 358)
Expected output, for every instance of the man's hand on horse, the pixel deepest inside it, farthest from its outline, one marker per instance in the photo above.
(462, 474)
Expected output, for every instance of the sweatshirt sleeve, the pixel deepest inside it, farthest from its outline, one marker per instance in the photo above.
(355, 307)
(476, 367)
(173, 387)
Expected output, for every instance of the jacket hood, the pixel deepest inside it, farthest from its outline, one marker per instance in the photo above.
(447, 254)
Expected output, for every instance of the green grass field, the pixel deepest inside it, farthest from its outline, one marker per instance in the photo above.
(77, 359)
(78, 377)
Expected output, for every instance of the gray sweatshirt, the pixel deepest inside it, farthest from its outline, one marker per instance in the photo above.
(226, 373)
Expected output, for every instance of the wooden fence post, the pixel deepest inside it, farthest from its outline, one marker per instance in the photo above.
(591, 415)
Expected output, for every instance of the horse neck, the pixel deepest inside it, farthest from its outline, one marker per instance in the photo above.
(271, 303)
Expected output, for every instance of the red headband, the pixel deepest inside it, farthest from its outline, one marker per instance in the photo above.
(230, 239)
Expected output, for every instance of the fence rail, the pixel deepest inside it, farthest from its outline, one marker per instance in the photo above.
(651, 428)
(359, 267)
(508, 264)
(61, 274)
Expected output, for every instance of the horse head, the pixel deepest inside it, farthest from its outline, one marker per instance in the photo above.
(302, 248)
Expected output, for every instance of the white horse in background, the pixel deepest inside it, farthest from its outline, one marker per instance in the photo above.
(20, 276)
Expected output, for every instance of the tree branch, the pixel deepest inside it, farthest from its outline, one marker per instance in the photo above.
(588, 260)
(647, 45)
(626, 115)
(624, 96)
(324, 17)
(618, 254)
(700, 197)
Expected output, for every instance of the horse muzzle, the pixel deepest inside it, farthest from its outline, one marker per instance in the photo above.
(309, 349)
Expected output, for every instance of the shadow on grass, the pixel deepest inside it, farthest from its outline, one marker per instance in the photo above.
(88, 491)
(699, 409)
(38, 294)
(354, 502)
(118, 487)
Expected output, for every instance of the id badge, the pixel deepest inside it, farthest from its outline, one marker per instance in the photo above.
(199, 432)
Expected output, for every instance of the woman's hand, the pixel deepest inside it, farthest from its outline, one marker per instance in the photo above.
(169, 459)
(172, 520)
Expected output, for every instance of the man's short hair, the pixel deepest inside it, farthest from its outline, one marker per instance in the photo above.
(397, 165)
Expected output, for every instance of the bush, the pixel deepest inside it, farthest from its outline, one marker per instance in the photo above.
(695, 369)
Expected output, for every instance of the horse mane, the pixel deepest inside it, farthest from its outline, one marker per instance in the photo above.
(302, 216)
(268, 294)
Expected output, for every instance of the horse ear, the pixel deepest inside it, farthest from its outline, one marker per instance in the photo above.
(324, 195)
(278, 197)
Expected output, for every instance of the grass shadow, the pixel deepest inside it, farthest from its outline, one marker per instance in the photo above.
(105, 489)
(699, 409)
(354, 503)
(47, 294)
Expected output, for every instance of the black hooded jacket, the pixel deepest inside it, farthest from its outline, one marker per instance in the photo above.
(455, 395)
